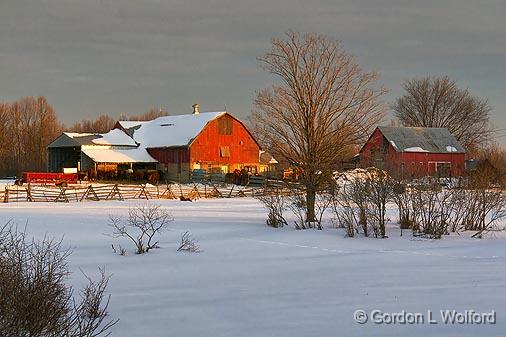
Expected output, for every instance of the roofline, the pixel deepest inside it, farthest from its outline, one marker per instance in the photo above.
(223, 113)
(368, 139)
(61, 135)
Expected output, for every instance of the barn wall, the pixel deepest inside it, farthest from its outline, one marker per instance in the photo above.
(174, 162)
(380, 153)
(60, 157)
(208, 149)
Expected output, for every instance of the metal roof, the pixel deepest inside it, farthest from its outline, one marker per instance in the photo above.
(418, 139)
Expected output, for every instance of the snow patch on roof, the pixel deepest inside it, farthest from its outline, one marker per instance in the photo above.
(136, 155)
(451, 149)
(177, 130)
(114, 137)
(131, 124)
(415, 149)
(78, 134)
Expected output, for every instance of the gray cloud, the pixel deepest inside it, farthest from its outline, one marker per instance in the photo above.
(117, 56)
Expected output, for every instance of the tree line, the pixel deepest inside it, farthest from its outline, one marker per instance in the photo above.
(29, 124)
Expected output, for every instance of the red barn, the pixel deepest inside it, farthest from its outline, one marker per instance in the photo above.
(210, 141)
(414, 152)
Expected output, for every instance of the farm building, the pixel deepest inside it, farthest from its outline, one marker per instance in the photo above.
(174, 145)
(210, 141)
(105, 153)
(414, 152)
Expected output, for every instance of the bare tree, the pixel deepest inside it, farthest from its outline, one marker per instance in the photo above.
(102, 124)
(141, 226)
(151, 114)
(324, 104)
(438, 102)
(27, 126)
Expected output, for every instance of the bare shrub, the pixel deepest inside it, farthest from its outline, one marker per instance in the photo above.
(34, 297)
(401, 197)
(297, 204)
(142, 225)
(345, 218)
(275, 201)
(353, 199)
(431, 209)
(120, 250)
(380, 193)
(188, 243)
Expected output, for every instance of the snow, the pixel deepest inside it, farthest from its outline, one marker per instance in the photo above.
(131, 124)
(78, 134)
(451, 149)
(115, 155)
(415, 149)
(5, 182)
(115, 137)
(252, 280)
(178, 130)
(393, 144)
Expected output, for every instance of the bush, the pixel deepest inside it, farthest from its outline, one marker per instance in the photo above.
(143, 224)
(34, 297)
(275, 201)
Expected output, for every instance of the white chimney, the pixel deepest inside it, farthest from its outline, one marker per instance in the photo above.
(196, 109)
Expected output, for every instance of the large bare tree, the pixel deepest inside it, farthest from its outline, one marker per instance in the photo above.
(323, 104)
(438, 102)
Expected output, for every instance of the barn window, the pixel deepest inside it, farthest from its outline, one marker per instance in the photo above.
(225, 126)
(224, 151)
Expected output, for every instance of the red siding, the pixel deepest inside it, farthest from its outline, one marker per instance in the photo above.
(243, 148)
(380, 153)
(170, 155)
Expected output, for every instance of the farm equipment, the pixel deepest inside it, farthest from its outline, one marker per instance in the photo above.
(59, 179)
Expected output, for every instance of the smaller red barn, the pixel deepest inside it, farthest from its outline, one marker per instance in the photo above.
(414, 152)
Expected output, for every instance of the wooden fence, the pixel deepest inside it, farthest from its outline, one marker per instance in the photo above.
(98, 192)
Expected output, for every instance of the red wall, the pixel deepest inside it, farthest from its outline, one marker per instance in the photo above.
(243, 148)
(170, 155)
(206, 148)
(416, 164)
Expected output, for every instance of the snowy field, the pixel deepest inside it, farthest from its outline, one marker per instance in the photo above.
(251, 280)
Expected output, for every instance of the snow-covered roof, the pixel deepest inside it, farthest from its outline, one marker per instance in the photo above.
(114, 137)
(178, 130)
(131, 124)
(111, 155)
(417, 139)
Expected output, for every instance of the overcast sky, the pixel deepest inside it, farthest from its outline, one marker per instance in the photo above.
(115, 56)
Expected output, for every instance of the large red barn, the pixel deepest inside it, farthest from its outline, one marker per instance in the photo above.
(210, 141)
(414, 152)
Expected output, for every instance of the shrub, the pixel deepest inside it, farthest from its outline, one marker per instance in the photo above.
(142, 225)
(35, 299)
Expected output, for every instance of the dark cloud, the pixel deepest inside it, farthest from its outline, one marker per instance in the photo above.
(118, 56)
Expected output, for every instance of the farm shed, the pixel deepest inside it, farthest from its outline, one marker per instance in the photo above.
(414, 152)
(96, 153)
(210, 141)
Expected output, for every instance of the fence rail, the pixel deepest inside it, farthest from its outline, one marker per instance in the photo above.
(99, 192)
